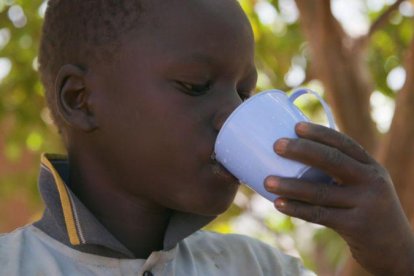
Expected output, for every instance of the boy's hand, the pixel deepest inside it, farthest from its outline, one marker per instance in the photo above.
(362, 205)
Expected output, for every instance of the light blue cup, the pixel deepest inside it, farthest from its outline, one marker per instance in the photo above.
(244, 145)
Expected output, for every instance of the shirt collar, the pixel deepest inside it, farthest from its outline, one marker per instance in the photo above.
(67, 219)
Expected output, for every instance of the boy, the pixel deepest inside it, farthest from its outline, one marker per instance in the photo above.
(139, 90)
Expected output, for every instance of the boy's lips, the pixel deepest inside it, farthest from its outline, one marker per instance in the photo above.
(221, 171)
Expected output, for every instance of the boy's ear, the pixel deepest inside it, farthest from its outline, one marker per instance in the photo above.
(73, 98)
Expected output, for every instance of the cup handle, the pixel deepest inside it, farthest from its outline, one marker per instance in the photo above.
(296, 94)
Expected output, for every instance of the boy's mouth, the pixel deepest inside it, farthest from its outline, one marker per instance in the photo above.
(221, 171)
(213, 156)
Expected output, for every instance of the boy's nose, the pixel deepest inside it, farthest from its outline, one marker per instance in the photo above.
(224, 110)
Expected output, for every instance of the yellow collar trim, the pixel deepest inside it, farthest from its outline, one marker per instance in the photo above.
(65, 201)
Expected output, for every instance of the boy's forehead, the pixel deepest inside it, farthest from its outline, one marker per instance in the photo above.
(224, 6)
(190, 30)
(196, 11)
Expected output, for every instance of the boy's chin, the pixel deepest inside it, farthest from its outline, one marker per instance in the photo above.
(212, 207)
(212, 211)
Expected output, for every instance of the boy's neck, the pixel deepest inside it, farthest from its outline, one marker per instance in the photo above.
(138, 224)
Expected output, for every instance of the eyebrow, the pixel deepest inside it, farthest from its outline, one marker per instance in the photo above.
(197, 57)
(200, 57)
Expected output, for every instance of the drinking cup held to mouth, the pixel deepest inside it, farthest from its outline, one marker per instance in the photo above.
(244, 145)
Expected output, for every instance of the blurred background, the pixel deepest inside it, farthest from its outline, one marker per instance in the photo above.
(358, 53)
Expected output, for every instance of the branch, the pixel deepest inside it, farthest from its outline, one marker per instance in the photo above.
(362, 41)
(381, 20)
(343, 72)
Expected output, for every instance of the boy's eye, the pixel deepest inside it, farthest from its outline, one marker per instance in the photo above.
(194, 89)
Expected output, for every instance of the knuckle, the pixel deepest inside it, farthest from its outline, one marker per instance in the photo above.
(380, 188)
(295, 145)
(321, 131)
(354, 220)
(321, 194)
(334, 156)
(295, 209)
(367, 156)
(345, 141)
(373, 172)
(379, 175)
(319, 214)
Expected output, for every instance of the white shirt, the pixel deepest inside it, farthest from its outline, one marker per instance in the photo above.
(30, 251)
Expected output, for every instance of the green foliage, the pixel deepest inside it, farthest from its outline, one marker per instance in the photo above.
(22, 106)
(279, 45)
(25, 124)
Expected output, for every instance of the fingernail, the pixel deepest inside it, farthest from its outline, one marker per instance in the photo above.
(280, 204)
(281, 145)
(271, 184)
(302, 128)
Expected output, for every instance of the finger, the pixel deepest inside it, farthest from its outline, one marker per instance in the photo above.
(335, 139)
(323, 194)
(334, 218)
(330, 160)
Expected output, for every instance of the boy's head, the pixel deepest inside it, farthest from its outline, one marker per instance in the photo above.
(82, 32)
(141, 88)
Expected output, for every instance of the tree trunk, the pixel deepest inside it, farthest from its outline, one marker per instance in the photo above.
(339, 62)
(340, 66)
(397, 150)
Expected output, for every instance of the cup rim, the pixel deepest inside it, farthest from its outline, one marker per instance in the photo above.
(244, 104)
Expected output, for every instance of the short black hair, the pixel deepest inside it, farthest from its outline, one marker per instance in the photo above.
(81, 31)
